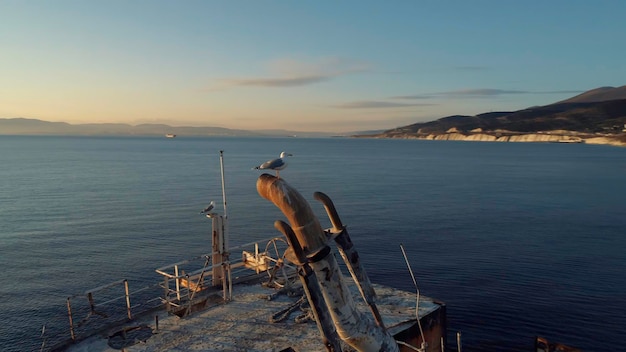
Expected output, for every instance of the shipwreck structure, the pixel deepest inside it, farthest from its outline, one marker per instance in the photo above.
(335, 311)
(223, 301)
(244, 297)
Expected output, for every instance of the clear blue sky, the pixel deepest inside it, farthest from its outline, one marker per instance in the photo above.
(303, 65)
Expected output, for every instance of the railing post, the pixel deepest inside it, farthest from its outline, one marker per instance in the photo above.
(177, 282)
(188, 294)
(130, 316)
(256, 256)
(92, 305)
(167, 294)
(69, 314)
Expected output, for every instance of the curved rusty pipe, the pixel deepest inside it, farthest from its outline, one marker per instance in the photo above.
(351, 257)
(311, 289)
(330, 209)
(354, 328)
(303, 221)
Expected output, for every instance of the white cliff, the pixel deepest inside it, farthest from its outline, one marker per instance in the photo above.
(478, 135)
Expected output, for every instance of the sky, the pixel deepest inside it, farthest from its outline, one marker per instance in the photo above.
(332, 66)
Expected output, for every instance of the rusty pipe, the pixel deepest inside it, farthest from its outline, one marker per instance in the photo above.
(311, 289)
(354, 328)
(351, 257)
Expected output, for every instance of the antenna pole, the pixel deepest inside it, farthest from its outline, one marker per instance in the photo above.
(227, 279)
(417, 304)
(224, 199)
(223, 182)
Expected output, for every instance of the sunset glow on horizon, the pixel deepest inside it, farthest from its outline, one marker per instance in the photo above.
(318, 66)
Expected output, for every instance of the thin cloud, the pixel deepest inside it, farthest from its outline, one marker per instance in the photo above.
(275, 82)
(562, 92)
(472, 68)
(413, 97)
(479, 93)
(293, 73)
(373, 104)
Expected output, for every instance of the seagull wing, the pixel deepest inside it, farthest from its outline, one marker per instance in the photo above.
(209, 208)
(275, 164)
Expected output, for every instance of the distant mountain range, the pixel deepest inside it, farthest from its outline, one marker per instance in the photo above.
(595, 116)
(23, 126)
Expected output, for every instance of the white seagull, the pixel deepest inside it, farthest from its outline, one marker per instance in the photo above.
(209, 208)
(275, 164)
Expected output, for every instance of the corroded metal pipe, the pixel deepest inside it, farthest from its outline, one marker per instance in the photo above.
(351, 256)
(354, 328)
(311, 289)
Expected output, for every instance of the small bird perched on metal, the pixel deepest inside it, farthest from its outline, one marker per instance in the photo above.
(209, 208)
(275, 164)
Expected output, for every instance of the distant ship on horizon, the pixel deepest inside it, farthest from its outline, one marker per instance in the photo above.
(170, 135)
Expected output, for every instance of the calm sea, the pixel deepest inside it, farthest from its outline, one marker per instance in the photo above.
(518, 239)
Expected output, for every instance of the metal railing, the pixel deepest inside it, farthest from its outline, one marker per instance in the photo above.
(183, 280)
(115, 303)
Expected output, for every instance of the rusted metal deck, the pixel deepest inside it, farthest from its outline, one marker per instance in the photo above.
(292, 296)
(244, 324)
(214, 308)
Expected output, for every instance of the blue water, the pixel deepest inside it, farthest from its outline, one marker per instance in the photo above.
(518, 239)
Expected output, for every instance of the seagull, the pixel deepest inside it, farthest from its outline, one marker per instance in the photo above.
(209, 208)
(275, 164)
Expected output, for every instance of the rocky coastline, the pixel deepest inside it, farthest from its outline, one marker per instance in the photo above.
(478, 135)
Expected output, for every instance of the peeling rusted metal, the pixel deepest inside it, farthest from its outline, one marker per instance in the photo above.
(351, 256)
(354, 328)
(542, 345)
(312, 290)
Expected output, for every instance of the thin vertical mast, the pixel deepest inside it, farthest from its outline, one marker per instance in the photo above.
(224, 198)
(223, 181)
(228, 282)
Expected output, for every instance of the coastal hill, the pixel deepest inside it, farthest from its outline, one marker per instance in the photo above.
(23, 126)
(598, 95)
(595, 116)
